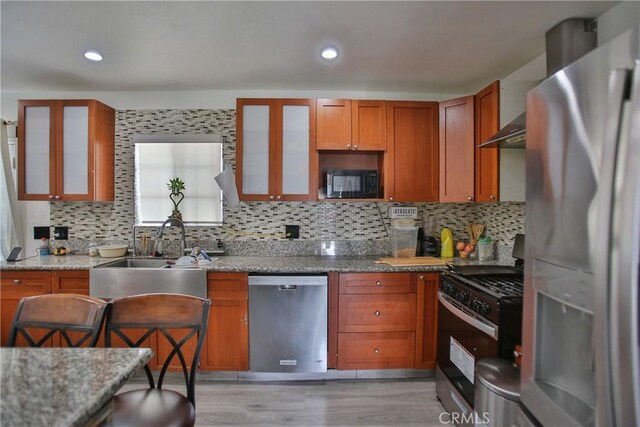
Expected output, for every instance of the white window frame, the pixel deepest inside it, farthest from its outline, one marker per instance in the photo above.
(189, 139)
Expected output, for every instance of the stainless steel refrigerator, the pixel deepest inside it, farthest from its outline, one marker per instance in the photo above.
(581, 362)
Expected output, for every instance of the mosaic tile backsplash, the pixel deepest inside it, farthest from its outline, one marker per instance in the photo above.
(262, 223)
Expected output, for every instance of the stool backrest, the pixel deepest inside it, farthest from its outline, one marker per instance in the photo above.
(77, 319)
(177, 318)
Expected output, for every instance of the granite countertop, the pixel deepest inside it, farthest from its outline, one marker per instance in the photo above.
(62, 386)
(255, 264)
(51, 262)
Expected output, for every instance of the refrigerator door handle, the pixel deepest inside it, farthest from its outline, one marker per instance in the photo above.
(624, 261)
(601, 247)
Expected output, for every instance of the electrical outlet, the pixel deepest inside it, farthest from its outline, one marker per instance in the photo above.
(292, 231)
(61, 233)
(40, 232)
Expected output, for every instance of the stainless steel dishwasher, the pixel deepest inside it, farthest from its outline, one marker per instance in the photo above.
(288, 323)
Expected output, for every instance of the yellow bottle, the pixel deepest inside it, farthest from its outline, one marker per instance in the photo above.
(447, 243)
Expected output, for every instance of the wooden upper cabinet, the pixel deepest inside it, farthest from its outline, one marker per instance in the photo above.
(334, 124)
(66, 150)
(487, 123)
(457, 150)
(368, 125)
(411, 161)
(352, 125)
(276, 154)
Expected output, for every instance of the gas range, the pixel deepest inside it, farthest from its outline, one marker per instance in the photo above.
(479, 315)
(484, 290)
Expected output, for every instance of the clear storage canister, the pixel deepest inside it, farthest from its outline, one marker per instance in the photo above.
(404, 238)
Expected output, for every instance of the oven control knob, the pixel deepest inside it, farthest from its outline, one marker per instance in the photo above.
(463, 296)
(484, 309)
(475, 306)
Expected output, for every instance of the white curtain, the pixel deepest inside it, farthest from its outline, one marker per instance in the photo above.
(10, 221)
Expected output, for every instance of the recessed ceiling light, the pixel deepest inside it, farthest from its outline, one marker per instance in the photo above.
(93, 55)
(329, 52)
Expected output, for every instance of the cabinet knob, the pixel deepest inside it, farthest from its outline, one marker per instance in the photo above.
(349, 146)
(378, 283)
(421, 277)
(391, 199)
(17, 281)
(492, 197)
(376, 313)
(469, 198)
(270, 197)
(57, 197)
(376, 351)
(278, 197)
(355, 146)
(51, 196)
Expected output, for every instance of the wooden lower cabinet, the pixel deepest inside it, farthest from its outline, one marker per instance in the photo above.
(387, 320)
(376, 350)
(226, 346)
(70, 282)
(15, 285)
(376, 321)
(427, 319)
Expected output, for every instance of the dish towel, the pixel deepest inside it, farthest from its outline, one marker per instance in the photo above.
(227, 182)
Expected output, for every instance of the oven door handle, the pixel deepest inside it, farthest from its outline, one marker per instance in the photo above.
(487, 329)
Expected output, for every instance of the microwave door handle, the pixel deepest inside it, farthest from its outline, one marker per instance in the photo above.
(487, 329)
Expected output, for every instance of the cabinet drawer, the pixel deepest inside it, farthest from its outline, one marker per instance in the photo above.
(386, 350)
(376, 283)
(377, 313)
(227, 286)
(70, 282)
(16, 284)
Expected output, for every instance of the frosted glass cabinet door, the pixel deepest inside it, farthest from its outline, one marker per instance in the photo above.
(37, 153)
(295, 149)
(255, 149)
(75, 149)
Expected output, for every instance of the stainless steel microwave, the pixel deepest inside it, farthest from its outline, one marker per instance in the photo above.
(352, 184)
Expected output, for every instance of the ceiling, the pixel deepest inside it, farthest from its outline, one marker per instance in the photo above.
(429, 47)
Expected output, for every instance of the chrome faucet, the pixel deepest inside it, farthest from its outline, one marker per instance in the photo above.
(179, 223)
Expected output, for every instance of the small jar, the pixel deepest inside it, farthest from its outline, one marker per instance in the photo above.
(485, 249)
(93, 249)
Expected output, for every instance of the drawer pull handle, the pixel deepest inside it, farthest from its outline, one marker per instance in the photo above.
(377, 313)
(378, 283)
(376, 351)
(17, 281)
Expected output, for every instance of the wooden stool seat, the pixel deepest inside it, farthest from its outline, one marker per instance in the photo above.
(152, 408)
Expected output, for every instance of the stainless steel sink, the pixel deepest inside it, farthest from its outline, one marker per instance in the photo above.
(137, 263)
(143, 276)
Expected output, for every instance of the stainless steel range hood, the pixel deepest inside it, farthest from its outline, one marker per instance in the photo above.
(566, 42)
(512, 135)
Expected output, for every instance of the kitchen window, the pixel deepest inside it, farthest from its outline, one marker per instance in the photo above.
(195, 159)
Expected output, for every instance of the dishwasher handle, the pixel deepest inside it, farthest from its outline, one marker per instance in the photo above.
(287, 287)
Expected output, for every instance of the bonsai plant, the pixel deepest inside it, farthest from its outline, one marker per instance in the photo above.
(176, 186)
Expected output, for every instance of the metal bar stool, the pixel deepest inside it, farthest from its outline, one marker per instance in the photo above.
(178, 318)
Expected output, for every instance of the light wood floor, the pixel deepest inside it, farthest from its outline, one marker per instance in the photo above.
(316, 403)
